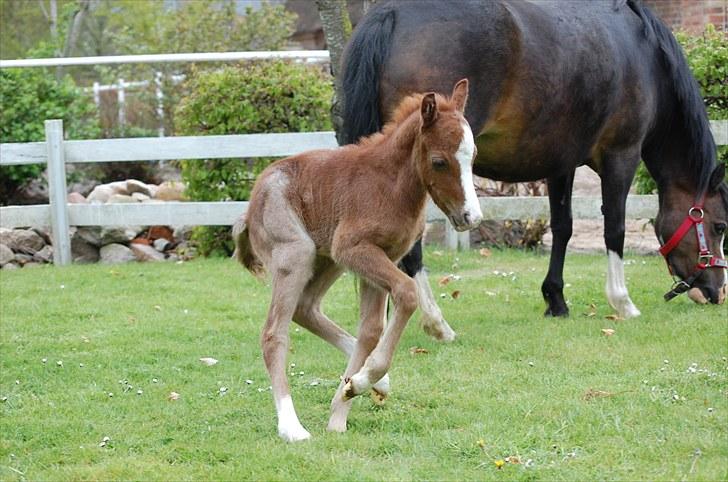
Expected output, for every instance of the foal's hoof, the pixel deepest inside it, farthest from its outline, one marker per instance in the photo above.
(348, 392)
(294, 433)
(378, 398)
(380, 390)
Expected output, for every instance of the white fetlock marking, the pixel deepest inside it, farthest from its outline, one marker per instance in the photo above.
(360, 381)
(382, 386)
(432, 320)
(617, 293)
(289, 427)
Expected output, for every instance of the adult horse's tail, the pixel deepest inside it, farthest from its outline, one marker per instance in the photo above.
(365, 54)
(244, 251)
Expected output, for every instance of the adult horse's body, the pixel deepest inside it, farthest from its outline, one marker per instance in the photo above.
(555, 85)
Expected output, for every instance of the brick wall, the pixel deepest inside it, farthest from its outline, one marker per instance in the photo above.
(691, 15)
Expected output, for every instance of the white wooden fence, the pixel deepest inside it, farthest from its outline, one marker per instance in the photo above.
(57, 152)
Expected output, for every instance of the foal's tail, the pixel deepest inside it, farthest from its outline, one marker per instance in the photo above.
(364, 57)
(244, 251)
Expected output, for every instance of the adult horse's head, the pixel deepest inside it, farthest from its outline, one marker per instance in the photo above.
(445, 157)
(692, 233)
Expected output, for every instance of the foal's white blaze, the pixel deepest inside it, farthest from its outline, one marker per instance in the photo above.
(723, 293)
(464, 155)
(617, 294)
(289, 428)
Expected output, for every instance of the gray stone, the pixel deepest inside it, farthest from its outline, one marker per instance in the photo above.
(146, 253)
(161, 244)
(83, 252)
(100, 194)
(140, 197)
(6, 255)
(121, 199)
(22, 258)
(134, 186)
(76, 198)
(90, 234)
(171, 191)
(45, 233)
(119, 234)
(5, 236)
(116, 253)
(45, 255)
(182, 233)
(25, 240)
(11, 265)
(119, 187)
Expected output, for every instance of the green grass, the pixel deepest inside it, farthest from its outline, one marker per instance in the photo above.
(513, 379)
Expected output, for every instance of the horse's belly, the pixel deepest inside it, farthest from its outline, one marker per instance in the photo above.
(506, 159)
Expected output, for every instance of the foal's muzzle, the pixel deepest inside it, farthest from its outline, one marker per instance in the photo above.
(466, 221)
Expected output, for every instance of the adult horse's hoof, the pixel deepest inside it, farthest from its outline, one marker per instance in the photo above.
(561, 311)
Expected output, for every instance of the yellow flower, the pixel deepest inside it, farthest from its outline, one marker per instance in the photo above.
(499, 463)
(481, 443)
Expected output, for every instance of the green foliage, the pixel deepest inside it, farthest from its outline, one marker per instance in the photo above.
(707, 57)
(28, 97)
(263, 97)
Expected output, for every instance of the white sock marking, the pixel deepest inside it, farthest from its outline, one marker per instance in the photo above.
(432, 319)
(617, 294)
(289, 427)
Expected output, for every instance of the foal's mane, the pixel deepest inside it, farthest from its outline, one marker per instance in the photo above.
(401, 113)
(702, 151)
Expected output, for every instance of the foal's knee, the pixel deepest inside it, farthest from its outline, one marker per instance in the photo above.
(404, 295)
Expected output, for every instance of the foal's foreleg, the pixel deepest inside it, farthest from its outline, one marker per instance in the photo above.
(617, 174)
(433, 322)
(372, 307)
(561, 227)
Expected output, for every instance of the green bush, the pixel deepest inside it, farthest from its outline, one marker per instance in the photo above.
(707, 57)
(263, 97)
(28, 97)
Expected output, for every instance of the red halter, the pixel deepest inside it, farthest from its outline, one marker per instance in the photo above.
(705, 258)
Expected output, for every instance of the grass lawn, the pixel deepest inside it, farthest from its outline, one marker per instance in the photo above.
(649, 402)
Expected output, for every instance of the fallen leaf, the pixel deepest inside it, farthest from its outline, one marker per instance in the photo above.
(173, 396)
(613, 317)
(485, 252)
(157, 307)
(445, 280)
(208, 361)
(592, 311)
(415, 350)
(455, 294)
(513, 459)
(607, 331)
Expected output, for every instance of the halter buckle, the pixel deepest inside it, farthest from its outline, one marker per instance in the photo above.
(680, 286)
(696, 213)
(705, 258)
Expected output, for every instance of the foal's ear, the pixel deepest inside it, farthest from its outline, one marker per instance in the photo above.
(717, 177)
(460, 94)
(429, 109)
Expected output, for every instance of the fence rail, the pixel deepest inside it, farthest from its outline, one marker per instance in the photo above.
(60, 215)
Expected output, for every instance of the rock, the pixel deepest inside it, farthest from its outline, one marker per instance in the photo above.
(45, 255)
(90, 234)
(134, 186)
(120, 199)
(119, 234)
(144, 241)
(82, 251)
(100, 194)
(161, 245)
(140, 197)
(170, 191)
(44, 233)
(11, 265)
(116, 253)
(5, 235)
(119, 187)
(6, 255)
(34, 192)
(146, 253)
(76, 198)
(24, 240)
(157, 232)
(182, 233)
(22, 258)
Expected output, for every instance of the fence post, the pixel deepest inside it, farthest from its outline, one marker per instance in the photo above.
(455, 240)
(121, 101)
(57, 192)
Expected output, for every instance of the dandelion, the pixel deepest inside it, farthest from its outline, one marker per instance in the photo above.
(499, 463)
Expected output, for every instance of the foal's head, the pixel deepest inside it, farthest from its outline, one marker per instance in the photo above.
(444, 155)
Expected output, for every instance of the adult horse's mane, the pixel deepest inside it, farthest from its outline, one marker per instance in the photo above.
(702, 153)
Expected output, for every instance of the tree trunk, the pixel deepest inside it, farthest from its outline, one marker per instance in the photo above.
(337, 29)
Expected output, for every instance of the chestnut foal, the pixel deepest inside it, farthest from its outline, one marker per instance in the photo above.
(359, 207)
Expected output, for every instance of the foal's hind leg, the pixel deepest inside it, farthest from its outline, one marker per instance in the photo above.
(561, 226)
(309, 315)
(291, 268)
(433, 322)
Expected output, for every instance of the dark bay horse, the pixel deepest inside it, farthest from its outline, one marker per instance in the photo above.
(360, 207)
(556, 85)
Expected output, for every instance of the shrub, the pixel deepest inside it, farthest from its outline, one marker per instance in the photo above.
(28, 97)
(260, 97)
(707, 57)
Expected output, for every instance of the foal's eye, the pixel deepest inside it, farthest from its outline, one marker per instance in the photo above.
(439, 164)
(720, 228)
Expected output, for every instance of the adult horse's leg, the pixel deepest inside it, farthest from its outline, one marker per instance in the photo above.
(309, 315)
(561, 225)
(372, 308)
(291, 270)
(617, 174)
(433, 322)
